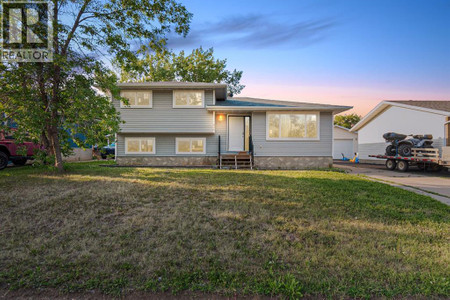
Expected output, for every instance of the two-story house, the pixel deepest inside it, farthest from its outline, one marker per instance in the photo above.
(195, 124)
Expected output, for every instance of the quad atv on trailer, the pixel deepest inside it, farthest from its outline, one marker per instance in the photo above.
(399, 145)
(416, 151)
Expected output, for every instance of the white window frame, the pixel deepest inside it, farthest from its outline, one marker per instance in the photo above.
(178, 139)
(140, 139)
(123, 105)
(187, 106)
(292, 113)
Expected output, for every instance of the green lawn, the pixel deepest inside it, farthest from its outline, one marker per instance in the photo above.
(280, 233)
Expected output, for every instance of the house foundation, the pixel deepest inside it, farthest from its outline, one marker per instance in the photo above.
(167, 161)
(293, 162)
(260, 162)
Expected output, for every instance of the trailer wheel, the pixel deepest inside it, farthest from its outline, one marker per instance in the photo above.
(403, 166)
(391, 164)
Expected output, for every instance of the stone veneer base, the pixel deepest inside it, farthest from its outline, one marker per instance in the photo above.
(167, 161)
(293, 162)
(261, 162)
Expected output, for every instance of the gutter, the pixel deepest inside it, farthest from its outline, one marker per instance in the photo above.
(336, 109)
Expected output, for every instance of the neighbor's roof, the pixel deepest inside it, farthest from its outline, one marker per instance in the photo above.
(247, 103)
(431, 106)
(341, 127)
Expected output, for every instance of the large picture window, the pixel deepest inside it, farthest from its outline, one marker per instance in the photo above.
(188, 99)
(190, 145)
(137, 99)
(144, 145)
(292, 126)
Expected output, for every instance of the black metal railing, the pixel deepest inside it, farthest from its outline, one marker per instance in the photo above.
(218, 155)
(251, 147)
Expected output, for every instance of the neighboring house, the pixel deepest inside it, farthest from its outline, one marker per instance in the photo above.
(345, 142)
(79, 154)
(182, 124)
(406, 117)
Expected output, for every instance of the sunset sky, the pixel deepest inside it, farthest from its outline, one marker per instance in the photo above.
(348, 52)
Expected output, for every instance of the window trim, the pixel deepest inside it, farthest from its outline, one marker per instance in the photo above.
(188, 106)
(190, 145)
(139, 139)
(122, 105)
(317, 113)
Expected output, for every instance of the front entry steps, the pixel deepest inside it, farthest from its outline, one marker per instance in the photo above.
(239, 160)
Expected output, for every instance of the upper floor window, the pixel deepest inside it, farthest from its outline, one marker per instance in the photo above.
(292, 126)
(137, 99)
(188, 99)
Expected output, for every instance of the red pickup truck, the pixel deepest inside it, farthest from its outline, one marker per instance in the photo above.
(9, 150)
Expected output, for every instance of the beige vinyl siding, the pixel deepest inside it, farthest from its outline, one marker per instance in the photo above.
(364, 150)
(165, 144)
(164, 118)
(221, 129)
(263, 147)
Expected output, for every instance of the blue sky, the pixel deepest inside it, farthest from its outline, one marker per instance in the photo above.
(330, 51)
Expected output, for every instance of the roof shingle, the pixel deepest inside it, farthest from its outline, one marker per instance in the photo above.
(443, 105)
(248, 103)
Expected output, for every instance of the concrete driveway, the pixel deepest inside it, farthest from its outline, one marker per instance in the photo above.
(433, 184)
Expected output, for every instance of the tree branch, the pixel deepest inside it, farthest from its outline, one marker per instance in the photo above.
(74, 27)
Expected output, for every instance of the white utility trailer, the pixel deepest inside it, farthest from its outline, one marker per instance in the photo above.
(423, 158)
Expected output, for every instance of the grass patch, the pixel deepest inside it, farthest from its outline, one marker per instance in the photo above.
(278, 233)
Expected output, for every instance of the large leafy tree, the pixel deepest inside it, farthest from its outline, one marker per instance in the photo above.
(347, 121)
(198, 66)
(54, 100)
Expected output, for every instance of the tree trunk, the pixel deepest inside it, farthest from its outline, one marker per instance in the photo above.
(54, 102)
(56, 148)
(58, 154)
(45, 142)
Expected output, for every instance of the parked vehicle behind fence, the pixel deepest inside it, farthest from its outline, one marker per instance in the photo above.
(11, 151)
(108, 151)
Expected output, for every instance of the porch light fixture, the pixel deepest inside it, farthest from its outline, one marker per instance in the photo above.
(221, 117)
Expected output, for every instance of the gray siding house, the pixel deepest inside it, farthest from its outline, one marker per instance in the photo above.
(194, 124)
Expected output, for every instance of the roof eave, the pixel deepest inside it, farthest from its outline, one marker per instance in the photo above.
(163, 85)
(430, 110)
(333, 109)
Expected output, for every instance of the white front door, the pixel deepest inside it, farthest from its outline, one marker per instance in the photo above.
(236, 133)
